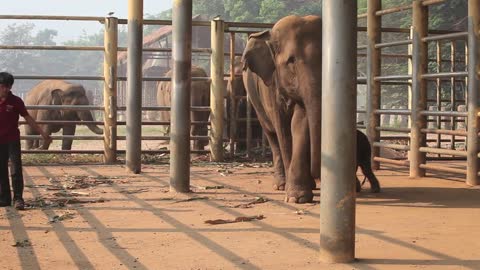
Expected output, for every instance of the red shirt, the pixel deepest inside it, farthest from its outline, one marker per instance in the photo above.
(10, 110)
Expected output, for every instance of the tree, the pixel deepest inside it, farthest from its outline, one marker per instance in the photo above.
(272, 10)
(242, 11)
(209, 7)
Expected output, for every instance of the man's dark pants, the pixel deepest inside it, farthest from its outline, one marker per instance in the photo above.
(13, 152)
(15, 155)
(5, 195)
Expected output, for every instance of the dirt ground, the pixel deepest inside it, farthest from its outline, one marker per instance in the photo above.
(101, 217)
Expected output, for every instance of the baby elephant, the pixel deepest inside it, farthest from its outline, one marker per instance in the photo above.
(364, 153)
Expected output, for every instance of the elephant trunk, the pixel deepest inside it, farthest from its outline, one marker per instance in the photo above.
(87, 116)
(314, 115)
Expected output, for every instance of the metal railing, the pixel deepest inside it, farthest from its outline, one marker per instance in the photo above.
(419, 114)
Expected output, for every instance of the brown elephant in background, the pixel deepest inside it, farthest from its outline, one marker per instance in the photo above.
(238, 90)
(288, 60)
(58, 92)
(200, 96)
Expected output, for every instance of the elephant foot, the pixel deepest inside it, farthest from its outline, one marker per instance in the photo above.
(279, 183)
(299, 195)
(279, 186)
(375, 188)
(374, 184)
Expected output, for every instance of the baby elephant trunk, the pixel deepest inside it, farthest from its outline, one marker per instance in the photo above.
(87, 116)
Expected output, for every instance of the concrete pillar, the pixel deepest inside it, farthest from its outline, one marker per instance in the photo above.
(339, 81)
(134, 86)
(181, 86)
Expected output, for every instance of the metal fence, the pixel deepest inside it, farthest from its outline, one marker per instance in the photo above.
(433, 128)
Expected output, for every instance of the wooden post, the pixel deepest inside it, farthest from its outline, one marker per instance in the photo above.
(110, 90)
(439, 93)
(473, 88)
(419, 88)
(233, 98)
(374, 24)
(453, 98)
(217, 90)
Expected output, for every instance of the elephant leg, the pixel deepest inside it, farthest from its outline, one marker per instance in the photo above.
(299, 177)
(358, 185)
(278, 167)
(199, 130)
(241, 128)
(364, 152)
(281, 122)
(366, 167)
(68, 130)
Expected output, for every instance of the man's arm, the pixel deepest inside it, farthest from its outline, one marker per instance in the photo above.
(46, 137)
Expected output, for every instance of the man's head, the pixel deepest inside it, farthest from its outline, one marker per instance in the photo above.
(6, 82)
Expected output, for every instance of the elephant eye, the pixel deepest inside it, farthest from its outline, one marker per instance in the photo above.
(291, 60)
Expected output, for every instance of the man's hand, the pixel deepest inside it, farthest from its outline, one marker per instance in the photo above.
(47, 140)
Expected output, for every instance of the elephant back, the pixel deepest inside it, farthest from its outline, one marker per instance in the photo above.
(45, 93)
(200, 92)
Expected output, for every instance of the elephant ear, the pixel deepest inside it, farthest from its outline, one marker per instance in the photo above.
(259, 56)
(57, 96)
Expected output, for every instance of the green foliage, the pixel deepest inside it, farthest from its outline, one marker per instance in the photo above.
(313, 8)
(262, 11)
(271, 10)
(242, 11)
(211, 8)
(164, 15)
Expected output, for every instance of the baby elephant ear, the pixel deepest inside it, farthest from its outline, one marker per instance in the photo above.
(259, 56)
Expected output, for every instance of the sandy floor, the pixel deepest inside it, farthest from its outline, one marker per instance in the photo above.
(133, 222)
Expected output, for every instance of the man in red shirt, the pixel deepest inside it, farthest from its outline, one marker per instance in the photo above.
(11, 107)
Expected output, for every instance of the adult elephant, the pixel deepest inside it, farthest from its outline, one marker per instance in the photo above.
(288, 59)
(282, 73)
(200, 96)
(58, 92)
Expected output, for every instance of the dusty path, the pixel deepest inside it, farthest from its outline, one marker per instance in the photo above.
(133, 222)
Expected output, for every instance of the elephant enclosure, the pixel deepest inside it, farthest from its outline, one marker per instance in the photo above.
(115, 220)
